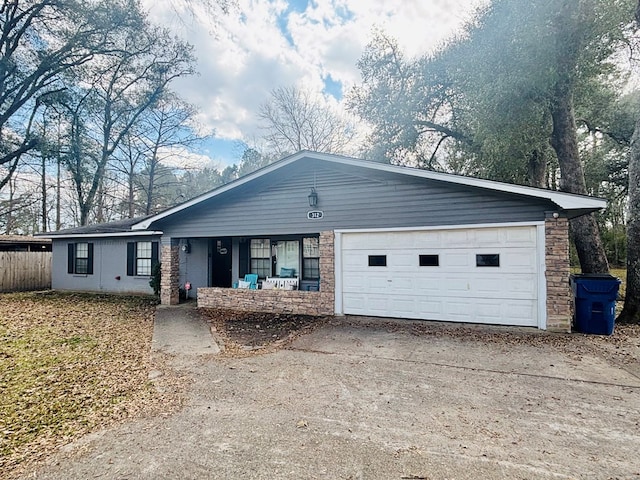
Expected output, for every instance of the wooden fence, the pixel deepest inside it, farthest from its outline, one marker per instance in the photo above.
(21, 271)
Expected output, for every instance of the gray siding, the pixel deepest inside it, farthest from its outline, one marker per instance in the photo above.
(350, 197)
(194, 266)
(109, 261)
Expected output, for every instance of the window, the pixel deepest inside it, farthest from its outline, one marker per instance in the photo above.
(260, 257)
(80, 258)
(141, 256)
(287, 258)
(377, 260)
(429, 260)
(310, 258)
(488, 260)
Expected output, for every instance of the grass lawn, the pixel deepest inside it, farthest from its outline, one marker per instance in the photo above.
(69, 364)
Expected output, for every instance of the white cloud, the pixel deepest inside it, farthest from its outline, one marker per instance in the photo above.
(184, 159)
(245, 55)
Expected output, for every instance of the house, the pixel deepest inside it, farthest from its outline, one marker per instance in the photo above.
(353, 237)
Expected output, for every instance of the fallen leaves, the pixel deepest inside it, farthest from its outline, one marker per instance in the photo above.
(70, 364)
(241, 334)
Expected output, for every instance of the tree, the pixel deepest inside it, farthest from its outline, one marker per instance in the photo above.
(631, 309)
(413, 110)
(124, 84)
(506, 86)
(152, 149)
(296, 120)
(40, 41)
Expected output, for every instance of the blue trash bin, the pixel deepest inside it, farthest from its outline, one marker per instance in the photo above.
(595, 302)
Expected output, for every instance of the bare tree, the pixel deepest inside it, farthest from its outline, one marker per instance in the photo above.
(168, 129)
(296, 120)
(40, 40)
(125, 84)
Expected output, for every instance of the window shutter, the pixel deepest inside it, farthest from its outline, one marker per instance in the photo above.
(154, 254)
(244, 258)
(71, 261)
(131, 258)
(90, 259)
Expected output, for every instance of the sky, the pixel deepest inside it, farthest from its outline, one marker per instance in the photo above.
(262, 45)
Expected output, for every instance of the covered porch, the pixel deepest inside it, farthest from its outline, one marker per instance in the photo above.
(212, 267)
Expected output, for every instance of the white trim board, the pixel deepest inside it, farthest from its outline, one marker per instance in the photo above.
(143, 233)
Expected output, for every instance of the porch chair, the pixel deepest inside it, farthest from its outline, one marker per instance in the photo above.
(252, 278)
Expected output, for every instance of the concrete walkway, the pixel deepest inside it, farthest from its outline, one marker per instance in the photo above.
(179, 330)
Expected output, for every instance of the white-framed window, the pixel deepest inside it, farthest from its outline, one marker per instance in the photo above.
(311, 258)
(260, 257)
(141, 256)
(80, 258)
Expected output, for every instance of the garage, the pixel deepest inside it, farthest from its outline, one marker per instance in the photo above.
(487, 275)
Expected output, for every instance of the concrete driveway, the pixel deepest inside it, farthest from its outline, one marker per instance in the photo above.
(366, 399)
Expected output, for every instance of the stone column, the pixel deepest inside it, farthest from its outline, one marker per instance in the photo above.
(327, 272)
(559, 296)
(170, 282)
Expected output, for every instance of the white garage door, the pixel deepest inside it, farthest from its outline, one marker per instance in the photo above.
(480, 275)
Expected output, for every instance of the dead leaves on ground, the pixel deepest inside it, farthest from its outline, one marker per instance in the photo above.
(248, 333)
(69, 364)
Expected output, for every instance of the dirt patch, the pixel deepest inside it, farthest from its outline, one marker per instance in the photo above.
(242, 334)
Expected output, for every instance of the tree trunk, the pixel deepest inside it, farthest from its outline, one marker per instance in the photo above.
(10, 219)
(131, 193)
(151, 183)
(537, 169)
(584, 229)
(58, 192)
(43, 185)
(631, 310)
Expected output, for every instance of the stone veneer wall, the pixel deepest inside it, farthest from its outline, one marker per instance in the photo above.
(169, 283)
(281, 301)
(559, 296)
(270, 301)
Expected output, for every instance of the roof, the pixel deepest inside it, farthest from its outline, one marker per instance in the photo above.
(579, 204)
(110, 229)
(22, 239)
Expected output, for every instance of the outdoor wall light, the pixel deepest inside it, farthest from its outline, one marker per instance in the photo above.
(313, 198)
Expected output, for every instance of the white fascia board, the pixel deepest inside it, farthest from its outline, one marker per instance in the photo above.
(565, 201)
(104, 235)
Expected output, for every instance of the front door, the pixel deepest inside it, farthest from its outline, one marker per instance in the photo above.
(221, 262)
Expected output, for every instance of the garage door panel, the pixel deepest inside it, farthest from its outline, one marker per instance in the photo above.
(521, 236)
(432, 308)
(454, 290)
(451, 238)
(456, 259)
(403, 306)
(489, 236)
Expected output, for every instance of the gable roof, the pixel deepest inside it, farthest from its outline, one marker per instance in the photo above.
(579, 204)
